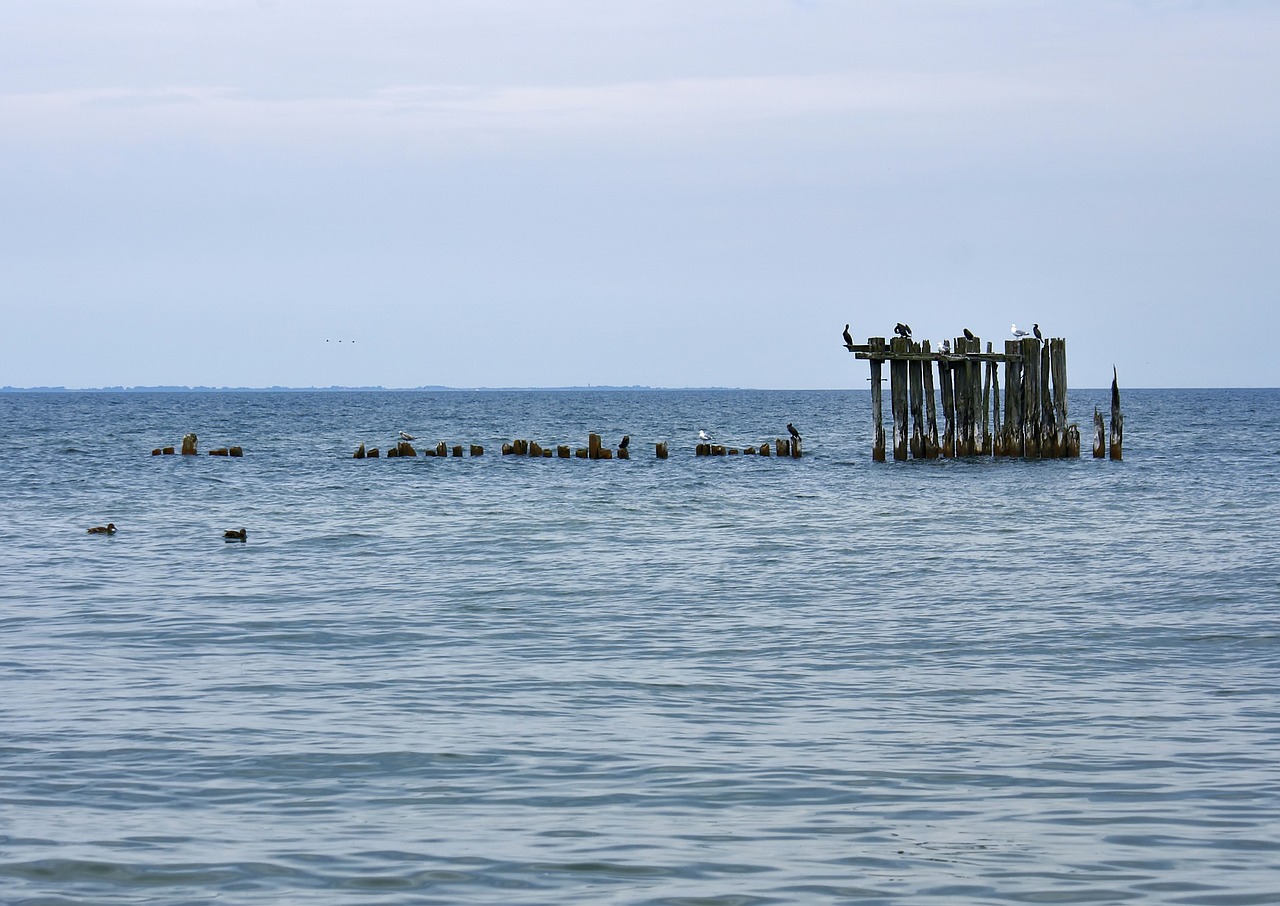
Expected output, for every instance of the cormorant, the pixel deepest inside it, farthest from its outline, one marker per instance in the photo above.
(792, 429)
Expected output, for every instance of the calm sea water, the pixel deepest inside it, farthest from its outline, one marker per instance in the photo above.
(691, 681)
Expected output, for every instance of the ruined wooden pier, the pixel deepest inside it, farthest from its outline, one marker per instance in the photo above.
(1032, 423)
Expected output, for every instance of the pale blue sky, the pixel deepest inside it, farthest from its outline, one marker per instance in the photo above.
(489, 193)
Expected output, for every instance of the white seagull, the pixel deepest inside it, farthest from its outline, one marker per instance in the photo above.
(404, 436)
(1017, 332)
(703, 436)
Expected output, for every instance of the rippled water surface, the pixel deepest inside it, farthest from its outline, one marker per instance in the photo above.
(690, 681)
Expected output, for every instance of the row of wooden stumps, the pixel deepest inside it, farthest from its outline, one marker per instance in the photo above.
(784, 448)
(404, 448)
(1032, 424)
(189, 449)
(594, 449)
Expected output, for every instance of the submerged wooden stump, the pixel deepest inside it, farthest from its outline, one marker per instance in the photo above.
(189, 445)
(477, 450)
(660, 449)
(563, 451)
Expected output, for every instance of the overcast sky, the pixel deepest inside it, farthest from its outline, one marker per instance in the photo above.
(486, 193)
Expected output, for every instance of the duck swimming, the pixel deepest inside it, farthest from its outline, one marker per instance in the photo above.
(241, 535)
(108, 529)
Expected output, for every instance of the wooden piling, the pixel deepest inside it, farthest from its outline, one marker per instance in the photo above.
(1013, 399)
(915, 386)
(535, 449)
(563, 451)
(582, 453)
(877, 417)
(997, 435)
(1030, 397)
(359, 454)
(1058, 364)
(477, 450)
(764, 448)
(188, 445)
(948, 409)
(930, 410)
(898, 396)
(974, 370)
(796, 451)
(457, 450)
(1117, 420)
(988, 368)
(1099, 435)
(235, 451)
(593, 446)
(660, 449)
(1048, 420)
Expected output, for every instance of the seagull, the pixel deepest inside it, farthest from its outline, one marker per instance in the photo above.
(108, 529)
(968, 334)
(241, 535)
(946, 347)
(704, 436)
(1035, 328)
(626, 440)
(404, 436)
(848, 340)
(1013, 328)
(792, 429)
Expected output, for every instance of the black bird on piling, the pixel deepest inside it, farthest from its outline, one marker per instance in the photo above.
(241, 535)
(848, 340)
(625, 442)
(794, 433)
(968, 334)
(1035, 329)
(903, 330)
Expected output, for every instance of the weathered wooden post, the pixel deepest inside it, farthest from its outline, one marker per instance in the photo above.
(898, 395)
(1048, 429)
(535, 448)
(1013, 399)
(660, 449)
(563, 451)
(948, 409)
(988, 367)
(1031, 397)
(188, 445)
(877, 415)
(973, 368)
(1058, 363)
(593, 446)
(915, 370)
(359, 454)
(997, 436)
(1117, 420)
(1099, 435)
(477, 450)
(930, 410)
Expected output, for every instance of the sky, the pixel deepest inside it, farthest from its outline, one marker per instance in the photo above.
(513, 193)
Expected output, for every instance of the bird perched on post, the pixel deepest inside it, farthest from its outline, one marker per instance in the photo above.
(968, 334)
(794, 433)
(1018, 332)
(1035, 328)
(903, 330)
(848, 340)
(946, 347)
(625, 442)
(404, 436)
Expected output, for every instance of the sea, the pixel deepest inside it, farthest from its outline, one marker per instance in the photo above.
(700, 681)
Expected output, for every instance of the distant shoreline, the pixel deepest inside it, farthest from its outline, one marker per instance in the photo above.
(604, 388)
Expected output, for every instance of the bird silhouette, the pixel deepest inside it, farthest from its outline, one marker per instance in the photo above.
(230, 535)
(968, 334)
(1035, 328)
(108, 529)
(794, 432)
(848, 340)
(625, 442)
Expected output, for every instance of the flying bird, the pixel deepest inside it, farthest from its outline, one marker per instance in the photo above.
(108, 529)
(404, 436)
(968, 334)
(1018, 332)
(848, 340)
(792, 429)
(1035, 328)
(230, 535)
